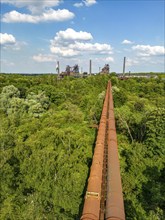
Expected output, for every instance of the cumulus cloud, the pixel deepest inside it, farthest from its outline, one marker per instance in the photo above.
(9, 42)
(90, 2)
(41, 11)
(48, 15)
(64, 51)
(34, 6)
(70, 43)
(96, 47)
(87, 3)
(17, 46)
(44, 58)
(147, 50)
(127, 42)
(7, 39)
(72, 35)
(78, 4)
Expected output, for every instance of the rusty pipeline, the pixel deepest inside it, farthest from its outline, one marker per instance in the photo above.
(104, 198)
(114, 200)
(91, 210)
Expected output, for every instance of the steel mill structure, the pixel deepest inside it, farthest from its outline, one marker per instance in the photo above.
(104, 198)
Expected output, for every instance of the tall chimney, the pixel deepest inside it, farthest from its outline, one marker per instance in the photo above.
(58, 67)
(90, 67)
(124, 66)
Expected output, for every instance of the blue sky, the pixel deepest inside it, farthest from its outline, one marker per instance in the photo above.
(36, 34)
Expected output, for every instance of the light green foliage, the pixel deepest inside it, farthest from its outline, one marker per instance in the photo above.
(6, 97)
(46, 145)
(10, 91)
(37, 103)
(47, 137)
(140, 127)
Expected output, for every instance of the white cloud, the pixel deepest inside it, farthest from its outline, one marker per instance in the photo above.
(9, 42)
(78, 4)
(147, 50)
(63, 51)
(15, 47)
(110, 59)
(7, 39)
(44, 58)
(144, 58)
(96, 47)
(131, 62)
(48, 15)
(127, 42)
(89, 2)
(70, 43)
(71, 35)
(34, 6)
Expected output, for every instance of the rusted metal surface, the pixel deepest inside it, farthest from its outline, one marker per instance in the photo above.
(91, 209)
(104, 199)
(104, 177)
(114, 201)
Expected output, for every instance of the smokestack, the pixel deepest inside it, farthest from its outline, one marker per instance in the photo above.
(58, 67)
(124, 66)
(90, 67)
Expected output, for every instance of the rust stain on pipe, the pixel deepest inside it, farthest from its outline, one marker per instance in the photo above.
(114, 201)
(105, 170)
(91, 210)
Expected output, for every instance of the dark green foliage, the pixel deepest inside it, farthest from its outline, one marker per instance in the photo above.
(47, 137)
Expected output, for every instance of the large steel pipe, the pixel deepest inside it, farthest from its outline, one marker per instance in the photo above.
(114, 200)
(91, 210)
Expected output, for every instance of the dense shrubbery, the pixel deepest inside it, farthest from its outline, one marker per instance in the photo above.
(47, 137)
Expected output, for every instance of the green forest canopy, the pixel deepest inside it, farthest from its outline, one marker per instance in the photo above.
(47, 137)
